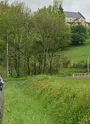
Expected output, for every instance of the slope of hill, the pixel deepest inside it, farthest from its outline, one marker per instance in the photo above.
(47, 100)
(79, 53)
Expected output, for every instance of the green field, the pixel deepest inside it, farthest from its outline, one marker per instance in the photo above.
(47, 100)
(79, 53)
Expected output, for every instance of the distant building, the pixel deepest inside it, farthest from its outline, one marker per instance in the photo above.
(74, 18)
(88, 25)
(58, 3)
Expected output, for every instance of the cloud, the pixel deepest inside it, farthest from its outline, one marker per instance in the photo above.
(82, 6)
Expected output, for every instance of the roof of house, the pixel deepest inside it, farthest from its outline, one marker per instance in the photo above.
(76, 15)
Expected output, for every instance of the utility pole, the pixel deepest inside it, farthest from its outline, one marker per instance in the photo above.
(7, 55)
(88, 66)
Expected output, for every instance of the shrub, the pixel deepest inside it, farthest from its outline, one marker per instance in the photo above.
(79, 35)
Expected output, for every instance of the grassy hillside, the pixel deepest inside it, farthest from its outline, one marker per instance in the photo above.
(47, 100)
(79, 53)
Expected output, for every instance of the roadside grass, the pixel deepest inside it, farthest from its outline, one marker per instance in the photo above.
(79, 53)
(47, 100)
(19, 108)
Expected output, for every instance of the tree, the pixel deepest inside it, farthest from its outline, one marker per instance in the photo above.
(4, 26)
(35, 40)
(79, 35)
(52, 33)
(12, 28)
(18, 15)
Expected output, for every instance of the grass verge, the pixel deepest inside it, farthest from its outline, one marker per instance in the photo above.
(47, 100)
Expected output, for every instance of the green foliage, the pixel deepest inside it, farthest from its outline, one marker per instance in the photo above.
(89, 31)
(71, 70)
(79, 35)
(47, 100)
(81, 64)
(33, 39)
(52, 31)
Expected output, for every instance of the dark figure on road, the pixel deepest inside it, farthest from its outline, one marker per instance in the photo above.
(1, 83)
(1, 94)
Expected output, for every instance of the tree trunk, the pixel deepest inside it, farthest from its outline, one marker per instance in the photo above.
(40, 64)
(35, 68)
(50, 62)
(17, 51)
(44, 64)
(18, 65)
(28, 65)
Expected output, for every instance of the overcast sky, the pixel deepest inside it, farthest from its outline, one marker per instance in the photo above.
(82, 6)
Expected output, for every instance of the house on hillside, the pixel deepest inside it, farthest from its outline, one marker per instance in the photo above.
(74, 18)
(88, 25)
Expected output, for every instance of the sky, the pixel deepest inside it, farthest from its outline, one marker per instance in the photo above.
(82, 6)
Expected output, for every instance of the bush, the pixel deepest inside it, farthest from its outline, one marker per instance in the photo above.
(79, 35)
(81, 64)
(70, 71)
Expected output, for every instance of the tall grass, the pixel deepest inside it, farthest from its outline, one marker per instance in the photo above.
(47, 100)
